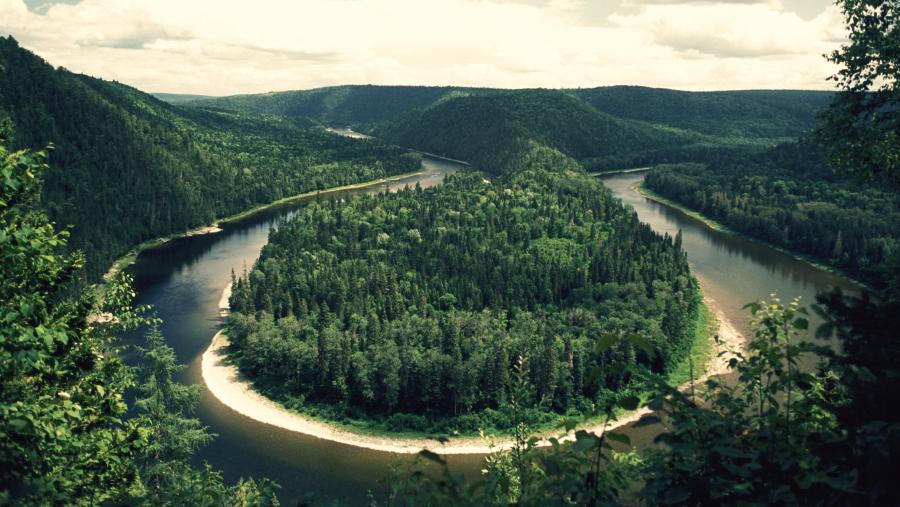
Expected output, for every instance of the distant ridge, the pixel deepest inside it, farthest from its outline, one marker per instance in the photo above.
(758, 114)
(487, 129)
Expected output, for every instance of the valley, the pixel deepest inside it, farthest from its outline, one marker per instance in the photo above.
(477, 282)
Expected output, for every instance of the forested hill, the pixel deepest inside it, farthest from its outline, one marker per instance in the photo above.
(351, 104)
(411, 309)
(488, 129)
(763, 115)
(180, 98)
(789, 196)
(127, 167)
(759, 114)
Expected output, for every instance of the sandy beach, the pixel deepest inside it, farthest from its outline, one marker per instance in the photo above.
(225, 382)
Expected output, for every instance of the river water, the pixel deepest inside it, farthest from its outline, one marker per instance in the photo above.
(183, 280)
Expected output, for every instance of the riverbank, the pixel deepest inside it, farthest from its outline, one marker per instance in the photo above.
(718, 226)
(129, 258)
(225, 382)
(619, 171)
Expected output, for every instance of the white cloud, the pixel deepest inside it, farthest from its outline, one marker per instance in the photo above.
(731, 29)
(224, 47)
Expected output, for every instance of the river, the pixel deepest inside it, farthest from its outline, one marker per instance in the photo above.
(183, 280)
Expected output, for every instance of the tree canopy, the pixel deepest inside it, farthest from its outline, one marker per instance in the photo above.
(412, 307)
(127, 167)
(861, 127)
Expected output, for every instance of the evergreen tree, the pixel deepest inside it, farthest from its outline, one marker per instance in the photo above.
(165, 407)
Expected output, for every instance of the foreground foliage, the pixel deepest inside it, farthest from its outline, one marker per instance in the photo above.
(66, 437)
(861, 127)
(764, 441)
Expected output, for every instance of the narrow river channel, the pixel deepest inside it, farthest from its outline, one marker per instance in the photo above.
(183, 280)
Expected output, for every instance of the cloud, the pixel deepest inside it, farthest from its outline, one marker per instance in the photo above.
(225, 46)
(733, 29)
(41, 6)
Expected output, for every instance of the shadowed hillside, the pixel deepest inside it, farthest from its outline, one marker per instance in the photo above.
(127, 167)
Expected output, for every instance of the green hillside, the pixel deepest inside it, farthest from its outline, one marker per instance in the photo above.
(763, 115)
(488, 129)
(180, 98)
(127, 167)
(350, 105)
(790, 197)
(767, 114)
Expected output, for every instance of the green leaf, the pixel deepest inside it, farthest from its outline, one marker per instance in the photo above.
(629, 402)
(618, 437)
(605, 342)
(18, 424)
(642, 342)
(584, 441)
(676, 496)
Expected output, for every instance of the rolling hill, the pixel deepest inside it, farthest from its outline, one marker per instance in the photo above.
(760, 114)
(763, 116)
(486, 129)
(352, 105)
(127, 167)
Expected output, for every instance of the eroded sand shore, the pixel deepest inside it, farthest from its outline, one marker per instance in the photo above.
(225, 382)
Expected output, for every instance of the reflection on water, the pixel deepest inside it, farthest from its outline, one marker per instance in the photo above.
(184, 279)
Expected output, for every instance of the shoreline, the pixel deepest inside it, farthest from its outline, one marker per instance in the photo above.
(713, 224)
(352, 134)
(225, 382)
(132, 255)
(619, 171)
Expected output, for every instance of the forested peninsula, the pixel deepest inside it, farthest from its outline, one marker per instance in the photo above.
(413, 309)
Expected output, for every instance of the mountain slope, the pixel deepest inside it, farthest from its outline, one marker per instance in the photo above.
(337, 104)
(765, 115)
(127, 167)
(487, 129)
(771, 114)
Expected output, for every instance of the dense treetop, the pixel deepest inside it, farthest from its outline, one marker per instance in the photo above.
(127, 167)
(418, 303)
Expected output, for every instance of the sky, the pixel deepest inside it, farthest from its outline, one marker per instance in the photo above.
(224, 47)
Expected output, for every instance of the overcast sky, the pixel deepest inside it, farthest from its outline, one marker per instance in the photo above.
(220, 47)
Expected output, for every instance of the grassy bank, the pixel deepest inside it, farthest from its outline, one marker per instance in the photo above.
(693, 366)
(713, 224)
